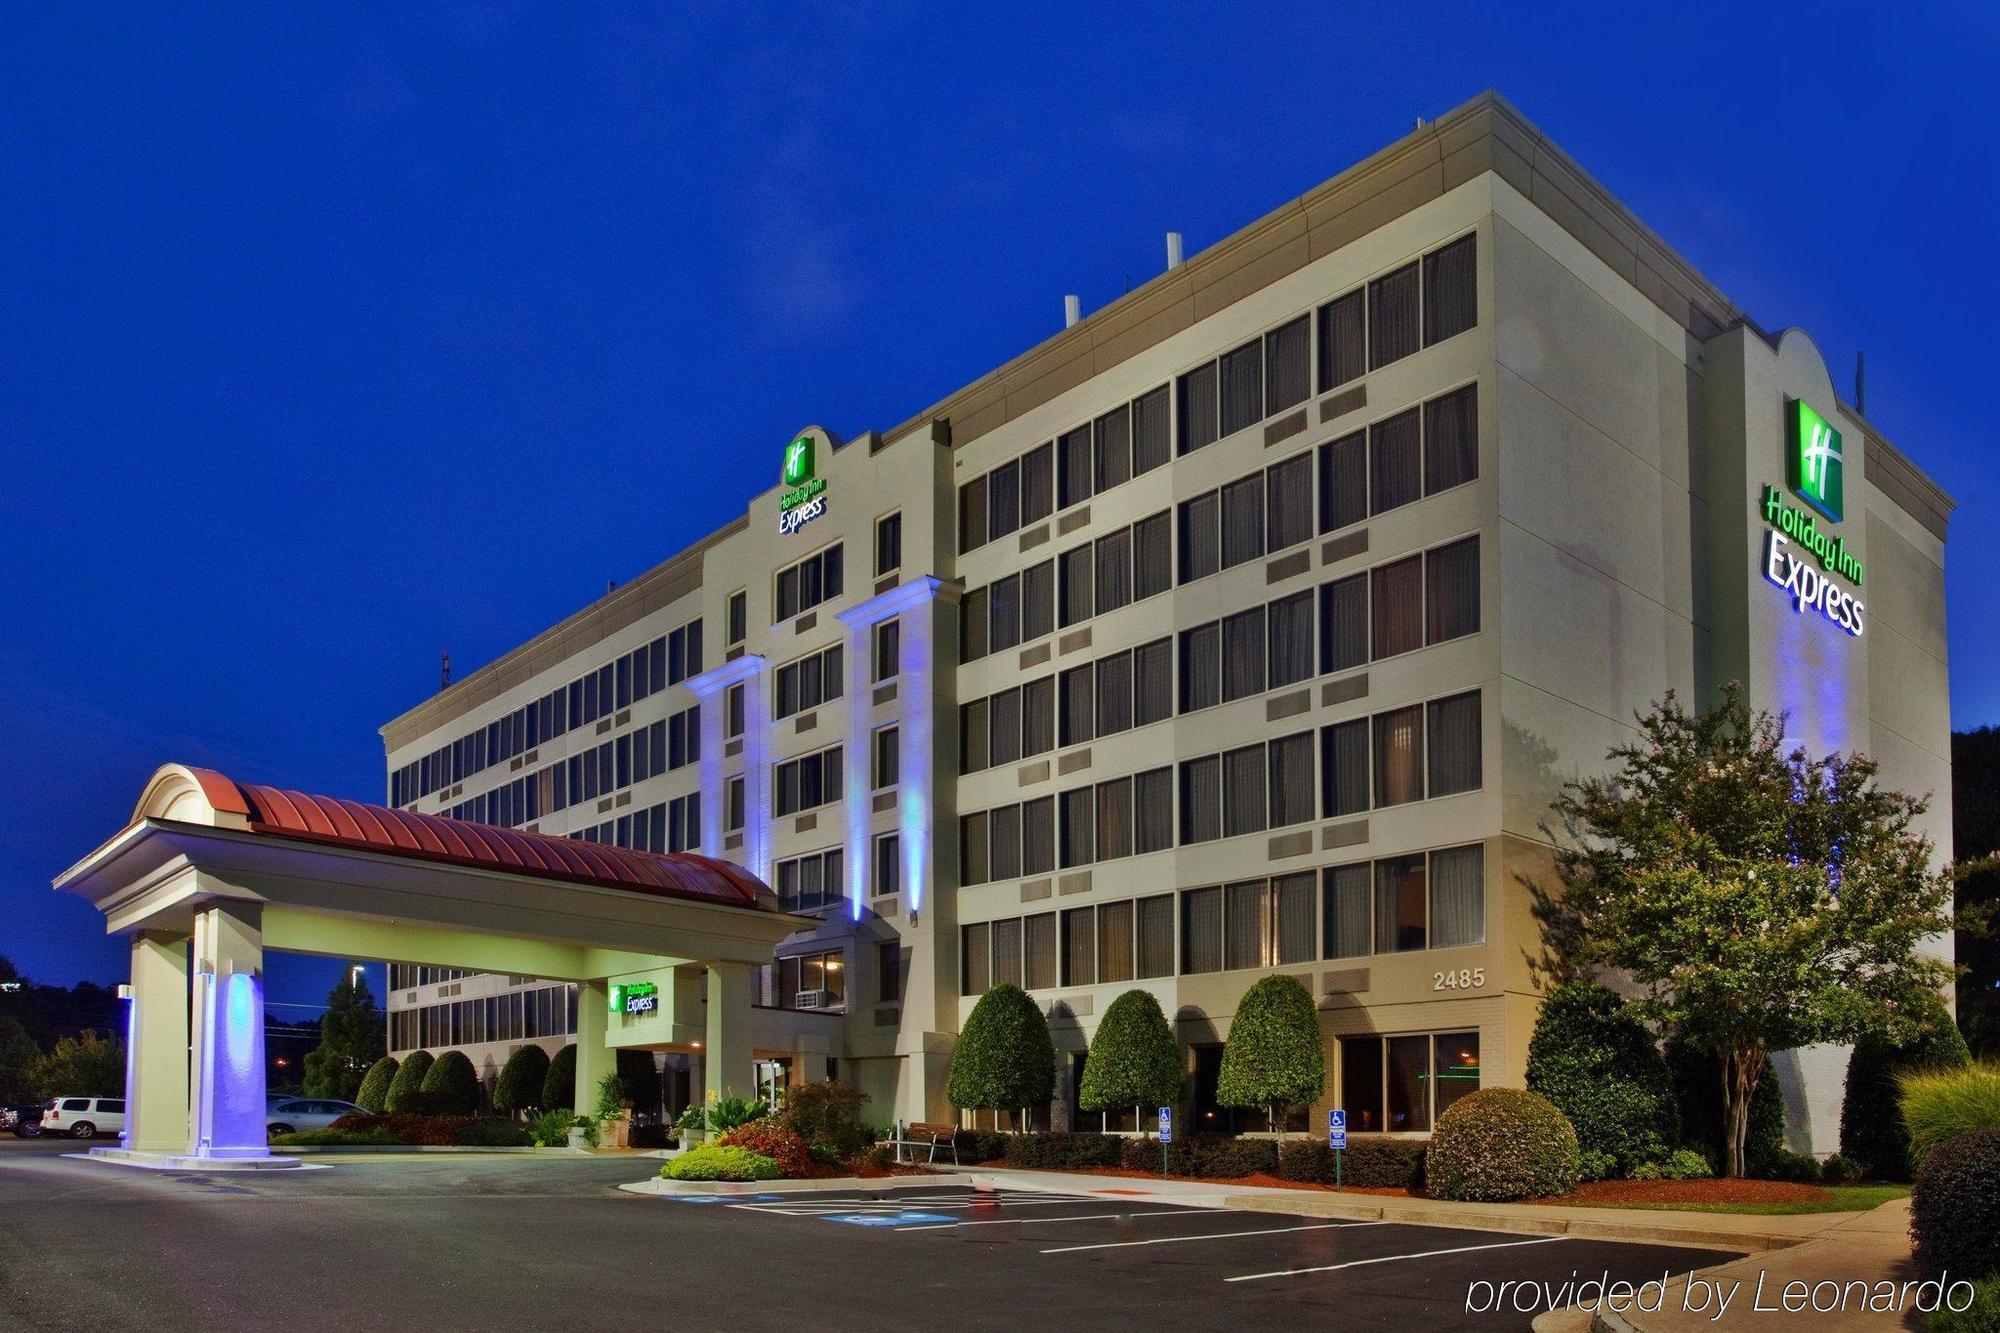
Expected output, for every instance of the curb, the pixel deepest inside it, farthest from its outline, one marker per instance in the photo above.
(704, 1188)
(1319, 1205)
(398, 1149)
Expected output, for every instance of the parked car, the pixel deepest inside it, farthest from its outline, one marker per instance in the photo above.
(84, 1117)
(291, 1114)
(23, 1122)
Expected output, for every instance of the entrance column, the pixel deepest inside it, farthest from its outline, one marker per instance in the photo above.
(229, 1112)
(594, 1059)
(156, 1045)
(729, 1062)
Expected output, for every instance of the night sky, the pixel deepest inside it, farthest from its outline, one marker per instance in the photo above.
(329, 341)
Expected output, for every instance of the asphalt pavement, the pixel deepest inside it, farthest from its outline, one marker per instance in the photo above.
(507, 1242)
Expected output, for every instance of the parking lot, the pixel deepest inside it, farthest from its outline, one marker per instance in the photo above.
(512, 1242)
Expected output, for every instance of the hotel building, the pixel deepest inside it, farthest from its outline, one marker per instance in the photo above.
(1250, 623)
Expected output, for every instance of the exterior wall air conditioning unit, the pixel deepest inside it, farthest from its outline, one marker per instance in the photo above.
(811, 999)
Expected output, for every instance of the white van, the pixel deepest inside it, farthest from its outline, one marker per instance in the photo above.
(84, 1117)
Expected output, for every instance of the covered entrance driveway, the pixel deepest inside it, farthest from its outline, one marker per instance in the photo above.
(234, 869)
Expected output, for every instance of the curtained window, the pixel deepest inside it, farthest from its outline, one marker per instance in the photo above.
(1003, 833)
(1347, 918)
(1343, 482)
(1399, 756)
(1243, 654)
(1288, 365)
(975, 973)
(1451, 440)
(1343, 339)
(1114, 942)
(1290, 651)
(1201, 667)
(1076, 467)
(1294, 906)
(1152, 556)
(1077, 707)
(1038, 601)
(1343, 623)
(1344, 768)
(972, 515)
(972, 737)
(1246, 931)
(1242, 520)
(1454, 744)
(1201, 539)
(1399, 904)
(1038, 486)
(1114, 570)
(1395, 461)
(1451, 591)
(1003, 499)
(1004, 709)
(1243, 387)
(1113, 444)
(1038, 716)
(1288, 502)
(1038, 836)
(1155, 948)
(972, 861)
(1393, 316)
(1451, 290)
(1201, 930)
(1079, 931)
(1152, 682)
(1114, 694)
(1078, 583)
(972, 626)
(1458, 897)
(1114, 819)
(1007, 951)
(1198, 400)
(1038, 951)
(1079, 827)
(1004, 611)
(1201, 799)
(1244, 802)
(1291, 760)
(1152, 431)
(1397, 616)
(1153, 810)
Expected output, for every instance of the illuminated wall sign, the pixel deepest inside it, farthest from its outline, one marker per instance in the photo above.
(804, 497)
(635, 997)
(1813, 465)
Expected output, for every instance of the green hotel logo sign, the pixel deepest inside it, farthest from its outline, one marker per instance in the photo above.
(1809, 573)
(1814, 460)
(804, 496)
(634, 997)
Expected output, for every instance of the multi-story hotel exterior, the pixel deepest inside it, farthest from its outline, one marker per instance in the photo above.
(1250, 623)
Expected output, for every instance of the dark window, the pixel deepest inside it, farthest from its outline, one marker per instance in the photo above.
(1152, 431)
(1201, 930)
(1288, 502)
(972, 859)
(1114, 694)
(1243, 654)
(1078, 708)
(972, 736)
(1397, 606)
(888, 544)
(1361, 1083)
(1197, 392)
(1242, 520)
(1079, 932)
(1395, 461)
(1038, 716)
(1038, 601)
(1152, 556)
(1343, 339)
(1005, 706)
(1291, 759)
(1153, 810)
(1451, 591)
(1114, 819)
(1201, 537)
(1451, 290)
(1399, 904)
(1113, 448)
(1003, 834)
(1003, 499)
(1078, 582)
(1288, 365)
(973, 626)
(1343, 482)
(1155, 935)
(1152, 682)
(739, 615)
(1452, 734)
(1348, 915)
(1245, 803)
(1076, 467)
(1392, 316)
(1201, 799)
(888, 757)
(1037, 484)
(1344, 768)
(1201, 667)
(1243, 387)
(1038, 836)
(1114, 571)
(1079, 827)
(1291, 639)
(889, 955)
(1004, 613)
(1399, 755)
(1451, 440)
(1343, 623)
(888, 663)
(972, 515)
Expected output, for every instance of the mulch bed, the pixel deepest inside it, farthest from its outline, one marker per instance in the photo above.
(1695, 1191)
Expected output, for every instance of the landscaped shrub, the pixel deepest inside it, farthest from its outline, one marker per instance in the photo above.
(1787, 1165)
(1840, 1169)
(559, 1087)
(781, 1145)
(1005, 1059)
(1681, 1164)
(827, 1115)
(1602, 1068)
(1273, 1057)
(1942, 1105)
(1500, 1144)
(551, 1128)
(1204, 1156)
(487, 1132)
(1697, 1076)
(451, 1086)
(1982, 1316)
(409, 1080)
(1367, 1163)
(436, 1131)
(717, 1161)
(374, 1092)
(337, 1138)
(1062, 1151)
(1133, 1060)
(1872, 1131)
(729, 1112)
(522, 1080)
(978, 1145)
(1955, 1206)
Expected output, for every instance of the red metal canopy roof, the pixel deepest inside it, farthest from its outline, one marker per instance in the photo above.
(331, 820)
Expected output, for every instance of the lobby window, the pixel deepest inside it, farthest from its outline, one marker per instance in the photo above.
(888, 651)
(1076, 467)
(1112, 448)
(888, 864)
(1402, 1084)
(732, 703)
(809, 682)
(888, 544)
(734, 806)
(738, 617)
(888, 757)
(809, 781)
(807, 883)
(1393, 318)
(1451, 291)
(811, 581)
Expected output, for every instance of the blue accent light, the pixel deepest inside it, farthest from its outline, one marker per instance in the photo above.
(231, 1105)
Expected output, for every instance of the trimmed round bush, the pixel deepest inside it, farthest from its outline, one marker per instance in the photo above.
(1273, 1057)
(1872, 1130)
(1602, 1069)
(559, 1087)
(519, 1087)
(1501, 1144)
(407, 1083)
(1955, 1207)
(768, 1139)
(720, 1161)
(374, 1092)
(451, 1085)
(1005, 1059)
(1134, 1059)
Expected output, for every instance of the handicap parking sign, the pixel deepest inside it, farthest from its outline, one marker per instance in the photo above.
(1336, 1130)
(1166, 1124)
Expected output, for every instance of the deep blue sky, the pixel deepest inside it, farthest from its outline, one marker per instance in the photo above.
(329, 341)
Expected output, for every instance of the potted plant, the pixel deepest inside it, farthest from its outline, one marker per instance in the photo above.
(613, 1111)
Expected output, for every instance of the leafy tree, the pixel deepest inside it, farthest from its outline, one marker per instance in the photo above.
(519, 1087)
(1759, 898)
(83, 1066)
(451, 1085)
(408, 1082)
(1872, 1131)
(18, 1057)
(1697, 1077)
(1005, 1059)
(1600, 1066)
(351, 1038)
(559, 1088)
(1133, 1060)
(1273, 1056)
(373, 1095)
(1975, 838)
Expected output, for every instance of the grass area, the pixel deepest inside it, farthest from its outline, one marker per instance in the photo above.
(1842, 1199)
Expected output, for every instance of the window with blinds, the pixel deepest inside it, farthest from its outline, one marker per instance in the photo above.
(1003, 606)
(1399, 756)
(1201, 930)
(1076, 467)
(1348, 914)
(1243, 654)
(1079, 827)
(1201, 537)
(1078, 584)
(1152, 682)
(1246, 928)
(1399, 904)
(1451, 440)
(1114, 942)
(1007, 952)
(1243, 387)
(809, 781)
(1004, 724)
(1395, 461)
(1343, 481)
(1038, 601)
(1242, 520)
(1038, 951)
(1038, 836)
(1076, 705)
(1003, 833)
(1198, 397)
(1288, 503)
(1288, 365)
(1037, 484)
(1152, 431)
(1038, 716)
(1397, 611)
(1344, 768)
(1343, 340)
(1343, 624)
(1154, 953)
(972, 752)
(1003, 499)
(975, 970)
(1393, 316)
(808, 682)
(1201, 667)
(1113, 559)
(972, 851)
(972, 626)
(972, 515)
(1451, 591)
(1451, 290)
(1290, 654)
(1112, 446)
(1201, 799)
(1079, 944)
(1294, 909)
(1291, 763)
(1245, 806)
(1453, 742)
(1114, 694)
(1113, 801)
(1152, 556)
(1153, 810)
(1458, 897)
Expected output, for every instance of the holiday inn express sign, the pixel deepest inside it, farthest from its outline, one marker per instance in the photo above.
(804, 496)
(1814, 467)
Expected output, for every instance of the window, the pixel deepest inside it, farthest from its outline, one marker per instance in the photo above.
(888, 757)
(972, 850)
(889, 967)
(1003, 499)
(1344, 768)
(1290, 653)
(1078, 580)
(1392, 316)
(1078, 708)
(1454, 744)
(733, 805)
(1007, 952)
(1398, 607)
(1399, 756)
(1198, 404)
(1242, 521)
(1038, 601)
(1114, 819)
(809, 781)
(972, 626)
(1408, 1069)
(972, 515)
(1201, 537)
(1291, 763)
(1454, 1068)
(808, 682)
(1201, 799)
(1152, 682)
(1293, 905)
(1079, 827)
(1451, 591)
(1347, 915)
(1201, 667)
(1395, 461)
(1451, 440)
(1201, 930)
(1400, 904)
(1038, 836)
(1152, 556)
(1451, 291)
(1076, 467)
(976, 959)
(888, 544)
(1245, 925)
(813, 580)
(1287, 365)
(1458, 897)
(1361, 1083)
(1037, 484)
(805, 883)
(1343, 482)
(738, 617)
(888, 864)
(1004, 724)
(1113, 448)
(1004, 610)
(888, 645)
(972, 756)
(1242, 384)
(732, 705)
(1038, 716)
(1288, 497)
(1113, 560)
(1243, 654)
(1244, 801)
(1343, 340)
(1152, 433)
(1114, 694)
(1039, 951)
(1114, 942)
(1003, 835)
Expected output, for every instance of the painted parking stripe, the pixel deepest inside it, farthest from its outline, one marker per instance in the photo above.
(1391, 1258)
(1213, 1235)
(1084, 1217)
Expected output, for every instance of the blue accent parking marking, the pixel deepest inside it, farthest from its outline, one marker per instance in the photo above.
(898, 1219)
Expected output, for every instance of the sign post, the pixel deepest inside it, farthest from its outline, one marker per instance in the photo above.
(1336, 1139)
(1166, 1137)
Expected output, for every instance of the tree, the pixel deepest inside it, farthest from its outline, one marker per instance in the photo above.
(559, 1088)
(1758, 897)
(18, 1057)
(408, 1082)
(1975, 838)
(82, 1066)
(1133, 1060)
(373, 1095)
(351, 1038)
(1272, 1057)
(639, 1081)
(1005, 1059)
(1593, 1058)
(451, 1085)
(1872, 1132)
(519, 1087)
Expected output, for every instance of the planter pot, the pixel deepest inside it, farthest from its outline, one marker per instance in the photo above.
(577, 1139)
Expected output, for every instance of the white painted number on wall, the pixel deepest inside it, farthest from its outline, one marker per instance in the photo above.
(1466, 978)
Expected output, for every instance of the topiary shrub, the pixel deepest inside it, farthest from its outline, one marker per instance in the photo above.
(1945, 1103)
(1005, 1059)
(1955, 1206)
(719, 1161)
(409, 1080)
(374, 1092)
(1063, 1151)
(827, 1115)
(522, 1080)
(1134, 1060)
(1273, 1056)
(767, 1139)
(1501, 1144)
(1872, 1131)
(559, 1086)
(451, 1086)
(1697, 1079)
(1602, 1068)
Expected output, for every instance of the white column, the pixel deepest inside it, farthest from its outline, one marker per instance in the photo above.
(229, 1113)
(728, 1057)
(594, 1059)
(156, 1045)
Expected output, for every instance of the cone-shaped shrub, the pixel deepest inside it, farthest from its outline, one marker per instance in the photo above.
(519, 1087)
(1272, 1057)
(374, 1093)
(452, 1085)
(1872, 1130)
(1005, 1059)
(559, 1088)
(1602, 1068)
(1133, 1060)
(407, 1083)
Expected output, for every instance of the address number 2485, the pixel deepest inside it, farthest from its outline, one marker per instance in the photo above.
(1466, 978)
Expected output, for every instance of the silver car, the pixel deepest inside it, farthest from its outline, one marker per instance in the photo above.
(287, 1115)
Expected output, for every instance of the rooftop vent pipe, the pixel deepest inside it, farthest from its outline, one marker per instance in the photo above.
(1072, 310)
(1174, 256)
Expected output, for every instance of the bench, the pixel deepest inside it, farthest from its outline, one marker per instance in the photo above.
(921, 1135)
